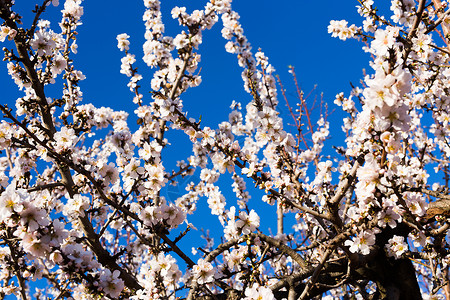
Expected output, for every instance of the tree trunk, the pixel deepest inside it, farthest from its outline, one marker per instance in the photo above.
(395, 278)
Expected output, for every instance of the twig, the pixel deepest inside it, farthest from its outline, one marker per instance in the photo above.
(417, 20)
(316, 273)
(45, 186)
(439, 21)
(39, 11)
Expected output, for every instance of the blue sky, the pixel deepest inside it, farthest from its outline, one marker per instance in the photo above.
(289, 32)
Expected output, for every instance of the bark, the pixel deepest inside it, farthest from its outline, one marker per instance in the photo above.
(440, 207)
(395, 278)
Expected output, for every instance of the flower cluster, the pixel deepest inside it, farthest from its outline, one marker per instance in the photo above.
(7, 32)
(244, 223)
(397, 246)
(159, 269)
(341, 29)
(203, 272)
(258, 292)
(169, 214)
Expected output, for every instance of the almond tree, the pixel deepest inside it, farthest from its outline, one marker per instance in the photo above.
(86, 214)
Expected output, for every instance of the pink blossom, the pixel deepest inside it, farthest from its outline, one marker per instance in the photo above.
(203, 271)
(362, 242)
(247, 222)
(256, 292)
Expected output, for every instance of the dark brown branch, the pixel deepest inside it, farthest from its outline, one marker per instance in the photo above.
(104, 257)
(39, 11)
(45, 187)
(177, 250)
(417, 19)
(316, 273)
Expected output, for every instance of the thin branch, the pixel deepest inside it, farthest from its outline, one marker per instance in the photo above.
(347, 181)
(45, 186)
(417, 20)
(177, 250)
(17, 271)
(316, 273)
(104, 257)
(39, 11)
(110, 219)
(438, 22)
